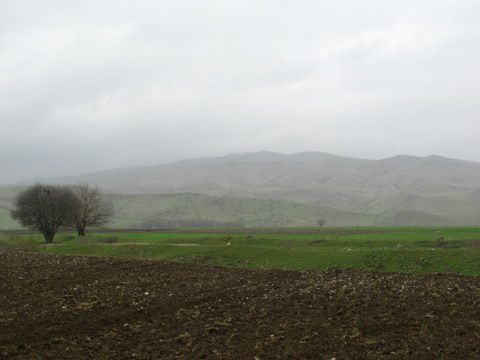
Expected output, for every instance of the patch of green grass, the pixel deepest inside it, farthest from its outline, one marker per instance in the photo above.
(412, 250)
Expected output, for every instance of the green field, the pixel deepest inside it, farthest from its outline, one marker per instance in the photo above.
(413, 250)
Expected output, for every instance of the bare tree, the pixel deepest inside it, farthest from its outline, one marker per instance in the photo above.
(321, 222)
(94, 209)
(45, 208)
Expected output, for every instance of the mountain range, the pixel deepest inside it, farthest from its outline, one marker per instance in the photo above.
(273, 189)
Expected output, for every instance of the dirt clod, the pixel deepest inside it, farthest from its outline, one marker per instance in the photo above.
(56, 307)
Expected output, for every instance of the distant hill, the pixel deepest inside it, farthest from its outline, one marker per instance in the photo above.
(197, 210)
(268, 188)
(149, 210)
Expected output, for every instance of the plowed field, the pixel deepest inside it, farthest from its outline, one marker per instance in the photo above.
(59, 307)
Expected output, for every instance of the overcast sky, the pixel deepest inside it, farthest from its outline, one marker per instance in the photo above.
(88, 85)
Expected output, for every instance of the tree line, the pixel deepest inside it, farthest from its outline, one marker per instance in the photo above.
(48, 208)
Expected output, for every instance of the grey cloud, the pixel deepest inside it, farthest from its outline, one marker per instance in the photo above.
(87, 85)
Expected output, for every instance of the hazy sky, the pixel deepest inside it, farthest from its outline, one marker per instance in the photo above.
(88, 85)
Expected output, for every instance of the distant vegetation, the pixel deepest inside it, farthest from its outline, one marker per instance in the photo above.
(209, 211)
(186, 223)
(152, 210)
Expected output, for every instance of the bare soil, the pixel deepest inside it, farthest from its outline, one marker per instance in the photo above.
(57, 307)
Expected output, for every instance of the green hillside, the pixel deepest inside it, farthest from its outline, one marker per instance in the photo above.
(152, 210)
(401, 190)
(6, 222)
(198, 210)
(142, 210)
(272, 189)
(6, 198)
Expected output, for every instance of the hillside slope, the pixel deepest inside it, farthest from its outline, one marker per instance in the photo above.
(196, 210)
(401, 190)
(294, 176)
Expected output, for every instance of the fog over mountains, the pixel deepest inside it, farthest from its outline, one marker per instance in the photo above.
(267, 188)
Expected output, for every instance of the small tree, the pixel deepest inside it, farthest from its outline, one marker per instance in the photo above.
(321, 222)
(45, 208)
(94, 210)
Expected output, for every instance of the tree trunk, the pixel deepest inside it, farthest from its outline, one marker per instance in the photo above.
(81, 231)
(48, 237)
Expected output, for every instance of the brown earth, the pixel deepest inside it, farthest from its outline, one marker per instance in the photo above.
(56, 307)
